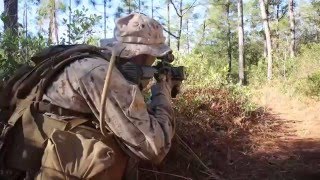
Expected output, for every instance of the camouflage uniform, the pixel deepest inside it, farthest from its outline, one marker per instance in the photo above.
(146, 130)
(142, 130)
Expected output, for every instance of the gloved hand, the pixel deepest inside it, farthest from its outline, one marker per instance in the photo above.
(174, 86)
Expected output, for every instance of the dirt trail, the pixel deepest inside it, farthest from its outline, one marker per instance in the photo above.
(304, 116)
(298, 150)
(278, 142)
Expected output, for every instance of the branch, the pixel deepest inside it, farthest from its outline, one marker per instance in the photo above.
(187, 9)
(171, 34)
(160, 16)
(175, 8)
(284, 13)
(207, 4)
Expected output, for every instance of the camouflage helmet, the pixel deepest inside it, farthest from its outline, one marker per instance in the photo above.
(137, 34)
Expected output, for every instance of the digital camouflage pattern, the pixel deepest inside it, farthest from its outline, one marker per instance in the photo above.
(137, 34)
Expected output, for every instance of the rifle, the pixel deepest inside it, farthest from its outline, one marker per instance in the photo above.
(176, 73)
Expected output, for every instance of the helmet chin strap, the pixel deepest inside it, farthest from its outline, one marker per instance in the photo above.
(104, 95)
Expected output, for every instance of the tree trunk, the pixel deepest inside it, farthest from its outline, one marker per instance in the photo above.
(265, 49)
(51, 22)
(105, 18)
(55, 21)
(70, 11)
(168, 13)
(264, 16)
(11, 25)
(265, 52)
(56, 33)
(277, 20)
(292, 28)
(229, 38)
(241, 43)
(53, 34)
(26, 18)
(266, 3)
(152, 9)
(25, 22)
(188, 39)
(180, 26)
(203, 31)
(50, 30)
(11, 12)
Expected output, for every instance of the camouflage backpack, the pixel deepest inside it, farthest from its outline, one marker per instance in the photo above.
(26, 87)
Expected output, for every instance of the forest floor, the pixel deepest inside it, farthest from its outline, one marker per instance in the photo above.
(279, 140)
(299, 149)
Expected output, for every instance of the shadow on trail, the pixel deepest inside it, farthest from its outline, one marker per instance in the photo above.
(235, 145)
(293, 159)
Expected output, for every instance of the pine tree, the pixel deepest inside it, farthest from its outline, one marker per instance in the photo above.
(264, 15)
(292, 28)
(241, 43)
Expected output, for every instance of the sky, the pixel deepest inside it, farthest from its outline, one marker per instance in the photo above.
(98, 9)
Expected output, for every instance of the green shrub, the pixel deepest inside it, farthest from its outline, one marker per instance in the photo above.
(202, 71)
(257, 74)
(308, 62)
(310, 86)
(303, 75)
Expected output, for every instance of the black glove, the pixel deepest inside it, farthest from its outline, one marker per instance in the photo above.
(164, 76)
(176, 88)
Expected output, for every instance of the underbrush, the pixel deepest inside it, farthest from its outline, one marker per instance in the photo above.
(305, 75)
(299, 76)
(314, 84)
(203, 71)
(215, 133)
